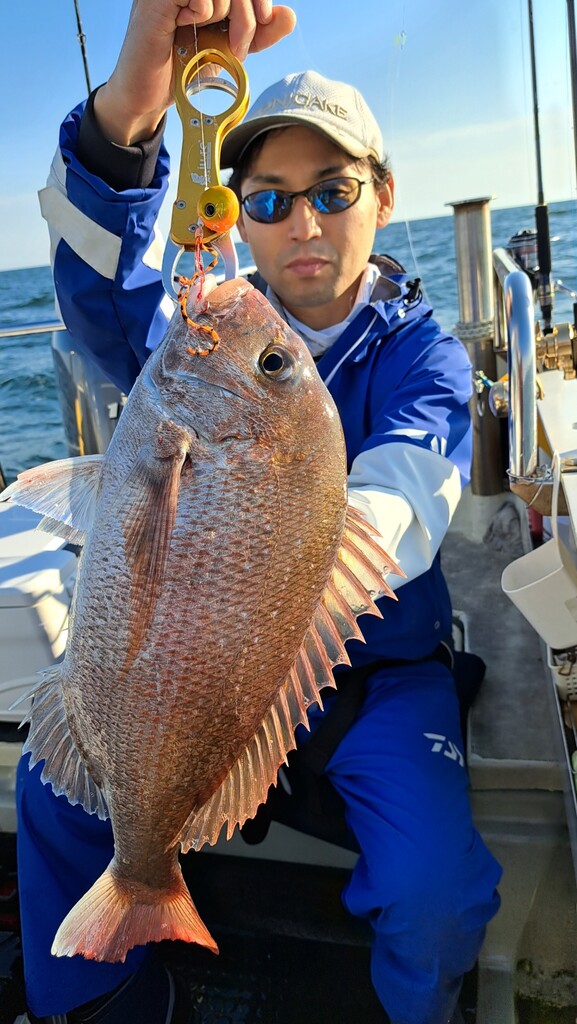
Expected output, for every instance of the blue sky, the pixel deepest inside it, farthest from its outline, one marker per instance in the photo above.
(449, 82)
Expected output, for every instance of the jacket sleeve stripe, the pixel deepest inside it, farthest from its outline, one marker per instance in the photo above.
(96, 246)
(410, 494)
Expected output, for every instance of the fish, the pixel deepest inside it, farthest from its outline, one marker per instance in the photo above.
(222, 572)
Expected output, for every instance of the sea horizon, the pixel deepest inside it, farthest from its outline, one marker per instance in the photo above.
(395, 221)
(31, 429)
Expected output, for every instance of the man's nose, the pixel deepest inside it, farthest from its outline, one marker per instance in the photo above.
(304, 221)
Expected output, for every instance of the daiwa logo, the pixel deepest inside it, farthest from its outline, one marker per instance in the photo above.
(441, 745)
(302, 99)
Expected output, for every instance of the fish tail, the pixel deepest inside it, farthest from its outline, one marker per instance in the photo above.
(112, 917)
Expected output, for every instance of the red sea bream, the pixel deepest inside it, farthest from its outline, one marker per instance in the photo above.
(222, 570)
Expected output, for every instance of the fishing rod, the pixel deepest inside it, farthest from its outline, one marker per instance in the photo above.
(545, 288)
(572, 38)
(573, 65)
(82, 41)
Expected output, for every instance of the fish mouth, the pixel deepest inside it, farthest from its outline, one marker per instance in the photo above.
(189, 378)
(156, 377)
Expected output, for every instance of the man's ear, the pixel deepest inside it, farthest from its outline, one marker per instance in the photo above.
(386, 202)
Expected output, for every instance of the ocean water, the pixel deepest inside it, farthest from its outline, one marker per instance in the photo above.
(30, 419)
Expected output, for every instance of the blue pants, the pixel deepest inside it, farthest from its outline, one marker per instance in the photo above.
(424, 878)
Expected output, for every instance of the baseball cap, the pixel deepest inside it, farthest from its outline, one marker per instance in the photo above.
(335, 109)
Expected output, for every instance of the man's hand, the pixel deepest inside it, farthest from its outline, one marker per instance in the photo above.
(131, 104)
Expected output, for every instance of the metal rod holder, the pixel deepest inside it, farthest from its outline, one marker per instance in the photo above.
(472, 225)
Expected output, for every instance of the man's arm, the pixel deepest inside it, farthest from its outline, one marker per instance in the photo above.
(410, 473)
(130, 106)
(106, 256)
(102, 197)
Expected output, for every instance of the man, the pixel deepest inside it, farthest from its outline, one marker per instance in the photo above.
(309, 168)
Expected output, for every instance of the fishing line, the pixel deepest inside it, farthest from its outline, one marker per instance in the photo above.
(199, 88)
(308, 61)
(199, 275)
(400, 40)
(199, 246)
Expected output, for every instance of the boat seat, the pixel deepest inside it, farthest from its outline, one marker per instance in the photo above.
(37, 574)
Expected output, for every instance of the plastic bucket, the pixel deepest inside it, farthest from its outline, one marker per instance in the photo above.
(543, 584)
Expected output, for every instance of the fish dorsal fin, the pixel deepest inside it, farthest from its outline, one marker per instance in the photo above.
(63, 491)
(356, 581)
(50, 740)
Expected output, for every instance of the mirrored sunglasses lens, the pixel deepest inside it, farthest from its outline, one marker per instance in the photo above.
(267, 206)
(337, 196)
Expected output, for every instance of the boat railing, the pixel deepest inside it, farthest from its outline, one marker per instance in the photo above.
(503, 264)
(50, 326)
(514, 308)
(90, 404)
(497, 323)
(38, 327)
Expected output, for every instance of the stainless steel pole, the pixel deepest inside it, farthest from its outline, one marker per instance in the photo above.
(472, 226)
(522, 376)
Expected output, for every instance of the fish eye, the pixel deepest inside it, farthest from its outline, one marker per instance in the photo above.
(277, 363)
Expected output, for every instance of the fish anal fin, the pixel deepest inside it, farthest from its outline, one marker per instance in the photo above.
(50, 740)
(366, 537)
(248, 782)
(111, 918)
(357, 578)
(63, 491)
(360, 570)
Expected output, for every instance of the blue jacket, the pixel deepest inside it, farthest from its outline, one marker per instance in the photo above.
(400, 383)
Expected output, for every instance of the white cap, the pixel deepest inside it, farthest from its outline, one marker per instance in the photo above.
(335, 109)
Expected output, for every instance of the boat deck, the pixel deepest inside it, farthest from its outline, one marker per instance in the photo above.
(522, 795)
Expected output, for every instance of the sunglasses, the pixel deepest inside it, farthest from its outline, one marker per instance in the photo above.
(271, 205)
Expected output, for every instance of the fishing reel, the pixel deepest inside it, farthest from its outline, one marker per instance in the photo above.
(557, 349)
(556, 344)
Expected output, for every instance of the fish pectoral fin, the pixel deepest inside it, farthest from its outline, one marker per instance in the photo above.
(50, 740)
(63, 491)
(356, 581)
(68, 533)
(148, 524)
